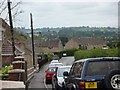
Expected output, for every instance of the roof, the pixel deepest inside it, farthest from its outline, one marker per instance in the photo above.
(96, 59)
(90, 41)
(7, 48)
(50, 43)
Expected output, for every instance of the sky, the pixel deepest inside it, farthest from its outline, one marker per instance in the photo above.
(68, 13)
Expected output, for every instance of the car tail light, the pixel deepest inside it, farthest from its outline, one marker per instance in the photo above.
(82, 85)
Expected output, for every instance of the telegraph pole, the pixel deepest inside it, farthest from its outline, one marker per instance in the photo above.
(11, 28)
(33, 52)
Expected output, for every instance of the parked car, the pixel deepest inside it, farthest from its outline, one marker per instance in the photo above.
(54, 61)
(55, 64)
(55, 58)
(94, 73)
(49, 74)
(58, 80)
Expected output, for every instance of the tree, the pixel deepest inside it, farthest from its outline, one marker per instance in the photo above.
(64, 40)
(15, 8)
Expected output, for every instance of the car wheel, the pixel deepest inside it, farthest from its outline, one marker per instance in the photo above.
(112, 80)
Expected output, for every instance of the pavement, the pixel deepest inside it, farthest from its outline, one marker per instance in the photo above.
(11, 84)
(37, 82)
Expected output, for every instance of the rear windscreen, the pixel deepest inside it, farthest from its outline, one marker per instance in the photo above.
(101, 67)
(52, 69)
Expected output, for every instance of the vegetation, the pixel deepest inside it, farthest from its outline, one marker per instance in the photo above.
(5, 70)
(108, 33)
(81, 54)
(48, 56)
(68, 52)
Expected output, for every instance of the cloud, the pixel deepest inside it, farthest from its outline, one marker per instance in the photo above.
(54, 14)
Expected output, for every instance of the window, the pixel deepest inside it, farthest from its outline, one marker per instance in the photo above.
(78, 69)
(52, 69)
(101, 67)
(71, 70)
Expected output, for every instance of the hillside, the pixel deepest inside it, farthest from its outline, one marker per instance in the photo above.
(104, 32)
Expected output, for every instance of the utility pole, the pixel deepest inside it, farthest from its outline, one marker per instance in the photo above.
(11, 27)
(33, 52)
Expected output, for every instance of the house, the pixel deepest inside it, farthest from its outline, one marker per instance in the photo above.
(21, 47)
(88, 42)
(7, 53)
(6, 44)
(53, 45)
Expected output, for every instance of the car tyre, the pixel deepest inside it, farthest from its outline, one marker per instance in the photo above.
(112, 80)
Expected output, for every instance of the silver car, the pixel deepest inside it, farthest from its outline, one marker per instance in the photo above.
(58, 80)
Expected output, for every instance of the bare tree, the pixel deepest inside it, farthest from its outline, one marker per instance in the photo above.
(16, 10)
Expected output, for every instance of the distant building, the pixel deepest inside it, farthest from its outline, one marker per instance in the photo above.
(88, 42)
(54, 45)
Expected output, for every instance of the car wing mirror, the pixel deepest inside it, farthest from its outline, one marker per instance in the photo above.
(65, 73)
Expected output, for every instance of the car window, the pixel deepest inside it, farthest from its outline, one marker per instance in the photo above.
(61, 70)
(72, 70)
(78, 69)
(51, 69)
(101, 67)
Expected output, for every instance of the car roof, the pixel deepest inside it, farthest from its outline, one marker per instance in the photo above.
(54, 64)
(65, 66)
(54, 61)
(96, 59)
(53, 67)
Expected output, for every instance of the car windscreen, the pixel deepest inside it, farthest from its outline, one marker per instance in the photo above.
(61, 70)
(52, 69)
(101, 67)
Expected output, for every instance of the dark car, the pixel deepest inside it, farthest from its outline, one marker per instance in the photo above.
(94, 73)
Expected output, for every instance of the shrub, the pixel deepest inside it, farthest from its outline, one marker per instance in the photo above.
(68, 52)
(81, 54)
(5, 70)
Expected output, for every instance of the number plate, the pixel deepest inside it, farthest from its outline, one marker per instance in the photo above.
(90, 85)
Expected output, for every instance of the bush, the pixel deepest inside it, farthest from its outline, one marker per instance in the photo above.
(81, 54)
(48, 55)
(5, 70)
(68, 52)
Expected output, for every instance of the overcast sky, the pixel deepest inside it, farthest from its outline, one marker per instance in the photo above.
(69, 13)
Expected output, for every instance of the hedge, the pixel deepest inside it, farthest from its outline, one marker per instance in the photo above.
(69, 52)
(81, 54)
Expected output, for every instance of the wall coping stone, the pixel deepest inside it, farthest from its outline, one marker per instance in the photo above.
(16, 71)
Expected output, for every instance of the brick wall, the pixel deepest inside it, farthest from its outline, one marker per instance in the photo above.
(6, 60)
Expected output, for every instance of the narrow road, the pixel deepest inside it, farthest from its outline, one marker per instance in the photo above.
(65, 61)
(38, 80)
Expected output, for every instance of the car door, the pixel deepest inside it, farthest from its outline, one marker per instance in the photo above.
(71, 76)
(75, 75)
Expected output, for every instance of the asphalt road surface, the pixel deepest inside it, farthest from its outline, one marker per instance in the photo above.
(37, 81)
